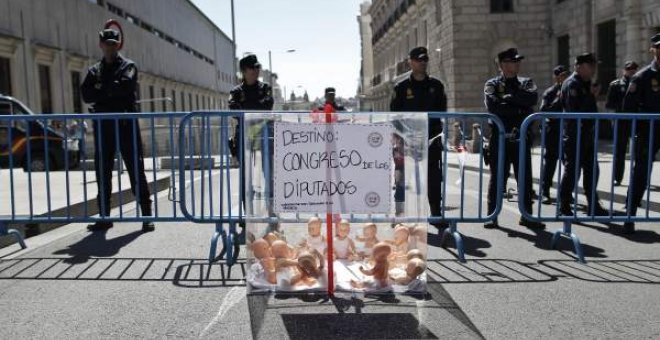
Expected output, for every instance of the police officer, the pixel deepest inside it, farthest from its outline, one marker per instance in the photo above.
(643, 96)
(511, 98)
(615, 94)
(551, 102)
(330, 99)
(111, 86)
(578, 94)
(250, 94)
(423, 93)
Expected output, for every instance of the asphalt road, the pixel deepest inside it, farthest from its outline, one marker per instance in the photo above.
(124, 284)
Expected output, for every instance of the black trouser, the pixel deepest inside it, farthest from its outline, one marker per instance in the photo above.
(511, 157)
(105, 142)
(434, 177)
(643, 166)
(622, 138)
(573, 166)
(551, 155)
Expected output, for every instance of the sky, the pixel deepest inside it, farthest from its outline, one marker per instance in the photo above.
(324, 33)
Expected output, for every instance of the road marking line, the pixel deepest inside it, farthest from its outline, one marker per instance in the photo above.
(233, 297)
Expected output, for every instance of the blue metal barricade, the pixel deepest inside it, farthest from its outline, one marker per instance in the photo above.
(460, 204)
(190, 154)
(50, 163)
(578, 140)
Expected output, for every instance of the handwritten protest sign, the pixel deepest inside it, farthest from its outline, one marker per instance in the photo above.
(337, 168)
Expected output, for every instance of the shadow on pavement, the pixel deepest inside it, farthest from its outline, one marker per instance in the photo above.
(187, 273)
(485, 271)
(356, 316)
(640, 235)
(472, 246)
(96, 244)
(608, 271)
(542, 239)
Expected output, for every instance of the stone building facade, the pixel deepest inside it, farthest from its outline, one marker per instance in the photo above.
(46, 47)
(464, 36)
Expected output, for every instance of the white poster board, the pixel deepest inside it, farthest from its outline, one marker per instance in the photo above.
(336, 168)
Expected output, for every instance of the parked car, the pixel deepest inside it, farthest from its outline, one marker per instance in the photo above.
(61, 142)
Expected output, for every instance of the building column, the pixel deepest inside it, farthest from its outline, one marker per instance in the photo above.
(632, 13)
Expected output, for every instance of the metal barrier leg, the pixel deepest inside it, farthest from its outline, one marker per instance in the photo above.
(219, 231)
(4, 231)
(566, 231)
(458, 239)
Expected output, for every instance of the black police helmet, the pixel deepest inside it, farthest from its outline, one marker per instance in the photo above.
(249, 61)
(109, 36)
(510, 54)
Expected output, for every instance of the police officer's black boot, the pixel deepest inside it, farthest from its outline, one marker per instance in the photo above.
(99, 225)
(147, 226)
(628, 228)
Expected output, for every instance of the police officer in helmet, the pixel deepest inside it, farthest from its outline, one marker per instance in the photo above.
(615, 94)
(423, 93)
(511, 98)
(578, 94)
(111, 87)
(551, 102)
(643, 96)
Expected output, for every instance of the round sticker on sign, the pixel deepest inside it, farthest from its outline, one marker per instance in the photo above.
(375, 139)
(372, 199)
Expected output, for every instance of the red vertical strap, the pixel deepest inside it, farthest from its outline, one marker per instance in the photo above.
(328, 110)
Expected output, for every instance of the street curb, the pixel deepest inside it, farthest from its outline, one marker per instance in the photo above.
(78, 209)
(618, 198)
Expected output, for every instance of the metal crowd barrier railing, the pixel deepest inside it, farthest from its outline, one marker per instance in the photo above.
(582, 143)
(190, 154)
(216, 199)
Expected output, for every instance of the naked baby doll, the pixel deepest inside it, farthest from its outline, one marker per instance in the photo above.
(262, 252)
(369, 238)
(344, 247)
(379, 271)
(399, 245)
(314, 238)
(310, 268)
(414, 268)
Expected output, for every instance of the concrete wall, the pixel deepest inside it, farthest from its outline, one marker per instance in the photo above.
(63, 35)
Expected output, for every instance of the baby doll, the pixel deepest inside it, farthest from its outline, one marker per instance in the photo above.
(379, 254)
(344, 248)
(414, 268)
(262, 252)
(399, 245)
(314, 238)
(415, 253)
(310, 268)
(369, 238)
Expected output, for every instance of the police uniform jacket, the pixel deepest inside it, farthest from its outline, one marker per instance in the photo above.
(577, 97)
(615, 94)
(428, 95)
(512, 100)
(111, 87)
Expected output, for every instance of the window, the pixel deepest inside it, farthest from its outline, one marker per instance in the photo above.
(173, 100)
(163, 98)
(501, 6)
(563, 50)
(152, 102)
(5, 77)
(137, 99)
(75, 91)
(45, 89)
(196, 102)
(182, 106)
(606, 54)
(190, 108)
